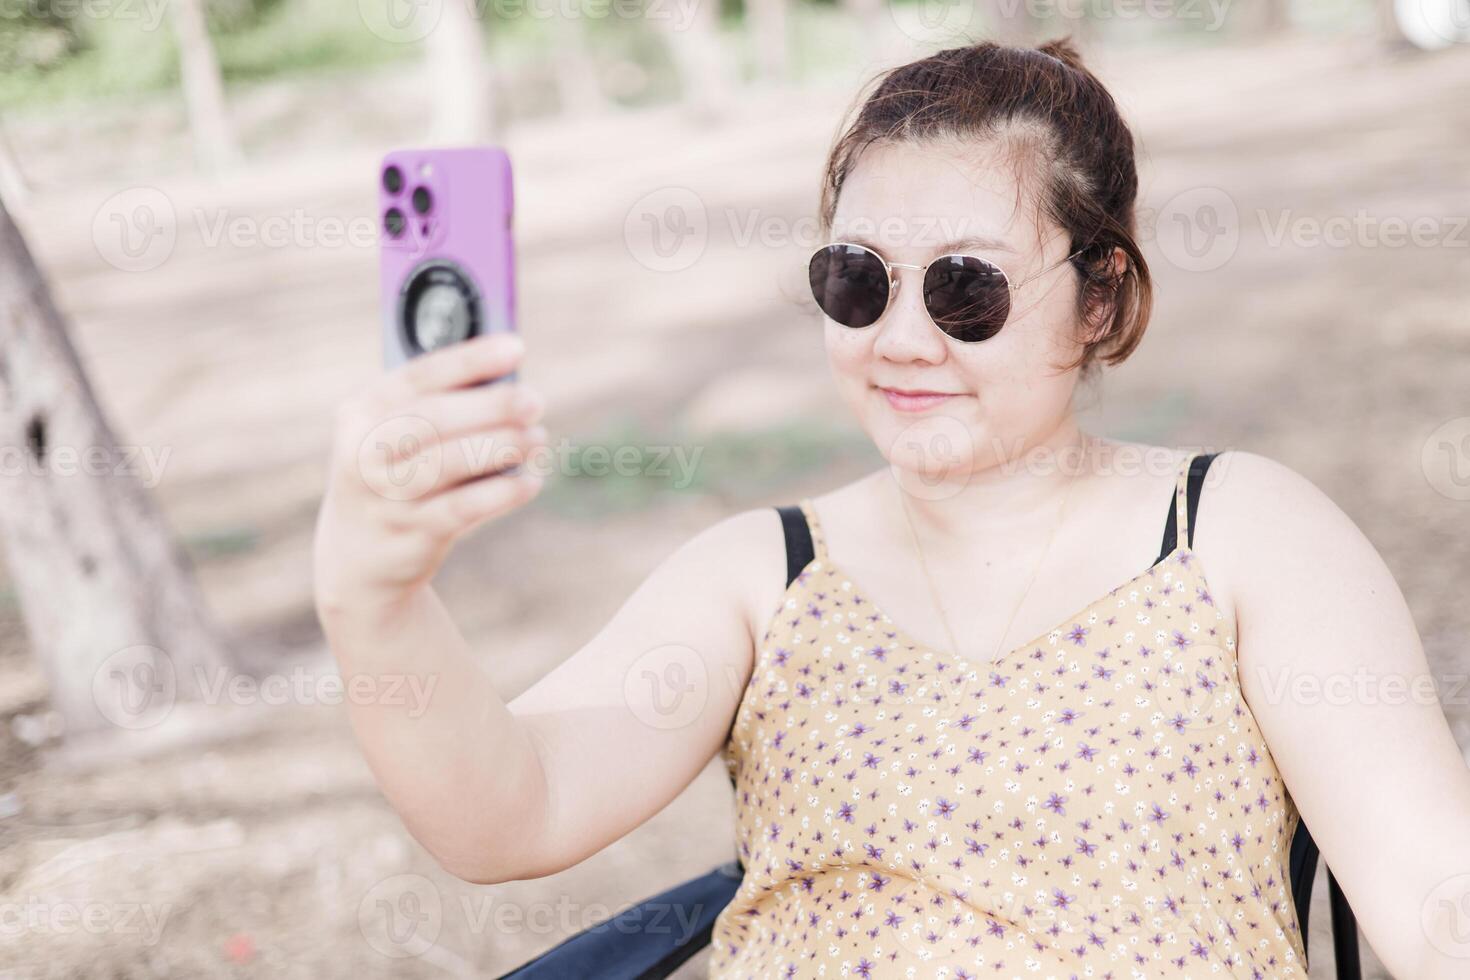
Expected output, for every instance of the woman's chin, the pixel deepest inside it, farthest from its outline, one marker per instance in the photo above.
(932, 447)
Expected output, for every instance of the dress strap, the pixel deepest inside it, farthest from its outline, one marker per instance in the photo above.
(814, 525)
(803, 537)
(1181, 497)
(1188, 484)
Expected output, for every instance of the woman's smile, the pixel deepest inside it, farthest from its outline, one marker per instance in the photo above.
(915, 399)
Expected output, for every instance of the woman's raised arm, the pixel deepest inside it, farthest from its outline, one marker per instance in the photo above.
(495, 791)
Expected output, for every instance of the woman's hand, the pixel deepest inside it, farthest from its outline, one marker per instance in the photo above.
(419, 458)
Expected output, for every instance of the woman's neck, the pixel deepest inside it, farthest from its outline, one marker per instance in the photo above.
(1008, 493)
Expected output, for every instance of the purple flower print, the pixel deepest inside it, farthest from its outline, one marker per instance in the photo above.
(844, 812)
(1158, 816)
(1085, 752)
(945, 808)
(1084, 848)
(1054, 802)
(975, 847)
(870, 761)
(874, 853)
(1060, 899)
(1180, 640)
(1078, 634)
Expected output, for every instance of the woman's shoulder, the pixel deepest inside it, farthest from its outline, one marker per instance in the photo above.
(1258, 513)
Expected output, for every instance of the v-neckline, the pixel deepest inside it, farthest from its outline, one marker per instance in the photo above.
(903, 635)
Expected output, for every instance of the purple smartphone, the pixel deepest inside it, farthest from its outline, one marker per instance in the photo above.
(447, 262)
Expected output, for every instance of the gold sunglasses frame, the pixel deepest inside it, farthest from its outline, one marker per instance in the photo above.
(893, 282)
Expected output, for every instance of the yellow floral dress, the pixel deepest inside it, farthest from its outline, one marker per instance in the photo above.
(1098, 802)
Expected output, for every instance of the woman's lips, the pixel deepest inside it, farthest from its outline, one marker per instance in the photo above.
(914, 400)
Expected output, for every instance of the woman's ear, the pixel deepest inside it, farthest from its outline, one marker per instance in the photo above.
(1101, 292)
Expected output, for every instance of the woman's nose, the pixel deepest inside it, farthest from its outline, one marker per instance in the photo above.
(905, 332)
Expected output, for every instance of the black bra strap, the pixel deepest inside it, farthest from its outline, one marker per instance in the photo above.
(799, 548)
(1197, 468)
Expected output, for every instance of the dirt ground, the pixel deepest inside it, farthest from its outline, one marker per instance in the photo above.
(251, 841)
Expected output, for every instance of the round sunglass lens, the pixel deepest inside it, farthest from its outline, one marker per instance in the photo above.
(968, 297)
(850, 284)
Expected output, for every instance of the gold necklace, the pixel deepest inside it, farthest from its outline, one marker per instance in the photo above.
(934, 593)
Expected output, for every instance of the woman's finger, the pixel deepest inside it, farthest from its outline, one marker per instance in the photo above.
(481, 453)
(477, 359)
(462, 411)
(457, 510)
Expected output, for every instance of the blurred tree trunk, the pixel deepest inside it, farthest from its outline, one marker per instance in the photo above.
(112, 610)
(1014, 23)
(12, 180)
(1388, 23)
(454, 54)
(884, 44)
(698, 54)
(1268, 18)
(767, 21)
(578, 90)
(204, 90)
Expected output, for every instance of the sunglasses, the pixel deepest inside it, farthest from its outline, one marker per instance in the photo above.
(967, 298)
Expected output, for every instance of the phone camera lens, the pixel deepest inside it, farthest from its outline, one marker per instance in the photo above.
(392, 180)
(422, 200)
(394, 222)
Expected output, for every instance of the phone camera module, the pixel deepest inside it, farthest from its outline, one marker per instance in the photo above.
(394, 223)
(422, 200)
(392, 179)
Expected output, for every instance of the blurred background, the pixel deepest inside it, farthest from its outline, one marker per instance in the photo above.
(193, 185)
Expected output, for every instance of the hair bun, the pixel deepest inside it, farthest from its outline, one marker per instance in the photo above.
(1064, 51)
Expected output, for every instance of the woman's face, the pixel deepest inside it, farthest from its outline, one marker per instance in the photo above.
(911, 202)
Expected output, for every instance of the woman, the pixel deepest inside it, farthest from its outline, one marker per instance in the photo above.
(979, 721)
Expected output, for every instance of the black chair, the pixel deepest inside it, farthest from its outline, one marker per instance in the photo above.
(651, 940)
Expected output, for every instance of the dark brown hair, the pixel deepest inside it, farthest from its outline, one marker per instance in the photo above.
(1059, 127)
